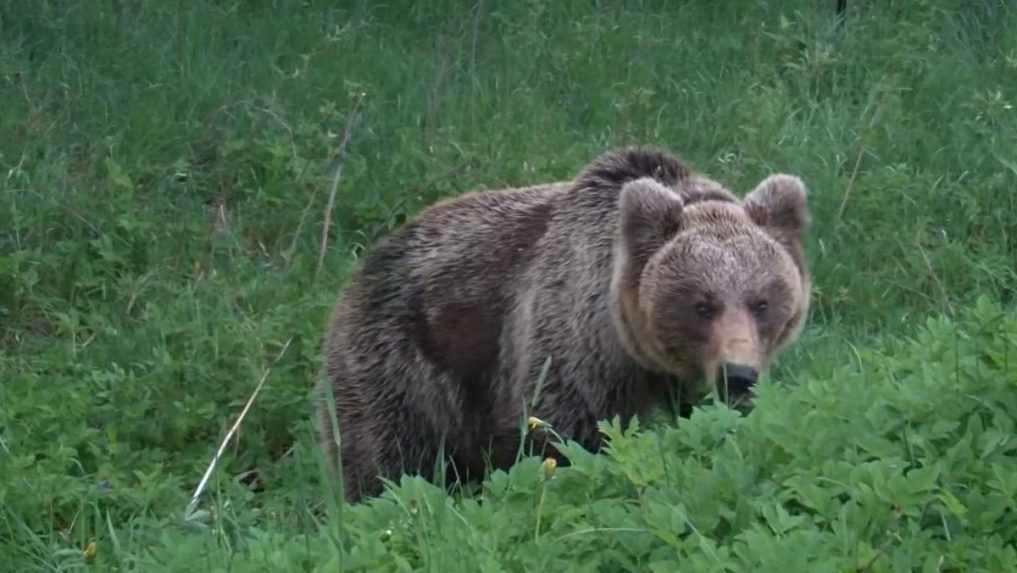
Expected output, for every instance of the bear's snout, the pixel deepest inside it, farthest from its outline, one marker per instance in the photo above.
(737, 379)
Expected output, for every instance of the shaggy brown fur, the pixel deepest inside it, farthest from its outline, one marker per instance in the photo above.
(636, 275)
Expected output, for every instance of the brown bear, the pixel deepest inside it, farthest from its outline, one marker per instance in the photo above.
(637, 277)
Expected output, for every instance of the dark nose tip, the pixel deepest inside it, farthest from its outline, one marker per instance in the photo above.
(737, 379)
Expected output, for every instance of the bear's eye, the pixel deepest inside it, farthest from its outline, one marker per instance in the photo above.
(758, 308)
(704, 310)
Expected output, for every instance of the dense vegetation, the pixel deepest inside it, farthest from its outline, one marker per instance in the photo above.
(168, 227)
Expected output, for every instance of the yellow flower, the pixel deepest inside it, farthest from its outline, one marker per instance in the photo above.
(535, 422)
(89, 552)
(549, 465)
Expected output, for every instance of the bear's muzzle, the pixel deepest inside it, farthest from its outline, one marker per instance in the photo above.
(736, 380)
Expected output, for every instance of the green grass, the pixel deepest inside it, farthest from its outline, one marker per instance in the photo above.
(164, 173)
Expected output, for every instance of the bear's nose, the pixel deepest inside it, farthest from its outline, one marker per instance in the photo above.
(739, 378)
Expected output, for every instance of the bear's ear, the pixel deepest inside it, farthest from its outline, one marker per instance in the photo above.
(650, 215)
(778, 204)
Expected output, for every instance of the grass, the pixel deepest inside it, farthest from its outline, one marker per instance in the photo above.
(165, 172)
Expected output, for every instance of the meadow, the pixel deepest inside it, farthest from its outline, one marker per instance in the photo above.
(184, 187)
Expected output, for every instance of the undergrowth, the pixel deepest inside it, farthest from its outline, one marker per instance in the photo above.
(902, 460)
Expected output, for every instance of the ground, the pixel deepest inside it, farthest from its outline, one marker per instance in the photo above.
(165, 181)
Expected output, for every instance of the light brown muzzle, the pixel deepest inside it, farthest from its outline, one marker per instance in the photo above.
(735, 357)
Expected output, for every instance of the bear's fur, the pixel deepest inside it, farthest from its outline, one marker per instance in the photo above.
(637, 277)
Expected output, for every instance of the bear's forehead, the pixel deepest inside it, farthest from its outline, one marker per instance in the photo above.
(698, 189)
(723, 235)
(717, 213)
(740, 249)
(724, 272)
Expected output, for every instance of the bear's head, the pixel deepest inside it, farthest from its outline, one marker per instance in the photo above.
(711, 290)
